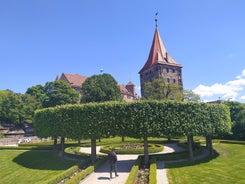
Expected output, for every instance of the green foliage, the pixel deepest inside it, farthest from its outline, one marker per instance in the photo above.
(190, 96)
(131, 148)
(59, 92)
(153, 172)
(1, 135)
(142, 119)
(160, 89)
(29, 105)
(81, 175)
(100, 88)
(237, 111)
(10, 107)
(37, 92)
(26, 147)
(56, 179)
(134, 171)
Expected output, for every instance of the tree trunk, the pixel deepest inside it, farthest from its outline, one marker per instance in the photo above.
(189, 139)
(122, 138)
(79, 141)
(93, 150)
(169, 139)
(55, 144)
(209, 144)
(62, 142)
(146, 154)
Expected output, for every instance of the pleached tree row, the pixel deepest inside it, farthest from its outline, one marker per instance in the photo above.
(138, 119)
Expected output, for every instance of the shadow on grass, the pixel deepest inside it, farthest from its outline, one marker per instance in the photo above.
(162, 141)
(186, 163)
(42, 160)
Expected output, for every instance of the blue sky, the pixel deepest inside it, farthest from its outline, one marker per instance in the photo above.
(41, 39)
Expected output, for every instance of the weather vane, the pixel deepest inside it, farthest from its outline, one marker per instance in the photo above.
(156, 18)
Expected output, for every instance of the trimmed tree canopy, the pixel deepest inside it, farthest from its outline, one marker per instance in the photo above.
(139, 119)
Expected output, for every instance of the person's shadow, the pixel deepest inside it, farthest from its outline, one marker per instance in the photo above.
(103, 178)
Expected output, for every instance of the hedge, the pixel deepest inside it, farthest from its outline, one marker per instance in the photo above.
(81, 175)
(137, 119)
(153, 148)
(153, 172)
(134, 171)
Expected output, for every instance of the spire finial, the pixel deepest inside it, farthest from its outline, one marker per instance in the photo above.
(156, 18)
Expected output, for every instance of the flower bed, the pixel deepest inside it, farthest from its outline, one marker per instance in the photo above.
(143, 176)
(131, 148)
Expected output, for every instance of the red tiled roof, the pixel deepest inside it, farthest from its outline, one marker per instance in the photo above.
(75, 80)
(130, 84)
(158, 53)
(123, 89)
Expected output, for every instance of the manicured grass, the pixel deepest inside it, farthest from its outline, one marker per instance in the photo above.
(228, 166)
(30, 166)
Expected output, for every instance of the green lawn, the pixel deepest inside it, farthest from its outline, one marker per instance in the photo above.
(227, 167)
(30, 166)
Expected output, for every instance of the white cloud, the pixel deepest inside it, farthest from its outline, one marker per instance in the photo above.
(228, 90)
(243, 73)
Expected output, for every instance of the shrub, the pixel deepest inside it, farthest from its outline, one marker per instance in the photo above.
(63, 175)
(152, 148)
(81, 175)
(134, 171)
(153, 171)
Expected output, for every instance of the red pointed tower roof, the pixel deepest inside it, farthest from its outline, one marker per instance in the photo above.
(158, 53)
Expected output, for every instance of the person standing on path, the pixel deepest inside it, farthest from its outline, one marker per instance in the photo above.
(112, 156)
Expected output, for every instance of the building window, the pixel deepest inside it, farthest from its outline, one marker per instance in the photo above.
(168, 80)
(173, 70)
(167, 70)
(174, 81)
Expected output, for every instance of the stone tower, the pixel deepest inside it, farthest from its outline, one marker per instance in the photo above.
(160, 65)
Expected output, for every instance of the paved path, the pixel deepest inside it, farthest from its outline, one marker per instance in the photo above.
(161, 170)
(125, 162)
(102, 174)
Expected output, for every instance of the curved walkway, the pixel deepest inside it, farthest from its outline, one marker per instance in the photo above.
(125, 162)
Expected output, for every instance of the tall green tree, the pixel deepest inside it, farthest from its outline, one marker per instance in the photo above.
(59, 93)
(237, 111)
(100, 88)
(37, 92)
(10, 105)
(191, 96)
(17, 108)
(29, 105)
(160, 89)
